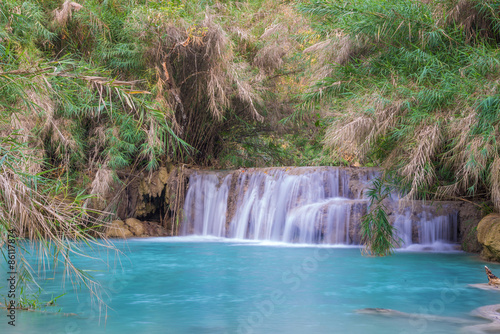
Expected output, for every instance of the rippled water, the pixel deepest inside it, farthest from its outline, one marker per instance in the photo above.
(192, 285)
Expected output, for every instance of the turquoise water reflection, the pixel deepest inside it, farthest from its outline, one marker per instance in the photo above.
(173, 285)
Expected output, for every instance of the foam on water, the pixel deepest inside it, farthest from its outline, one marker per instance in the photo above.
(437, 246)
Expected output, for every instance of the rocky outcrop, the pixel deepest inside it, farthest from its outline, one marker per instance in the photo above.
(153, 197)
(469, 217)
(151, 188)
(132, 227)
(488, 234)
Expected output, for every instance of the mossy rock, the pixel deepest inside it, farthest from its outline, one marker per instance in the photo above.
(488, 234)
(154, 185)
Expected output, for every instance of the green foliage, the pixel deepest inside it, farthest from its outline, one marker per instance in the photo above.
(48, 213)
(76, 90)
(32, 301)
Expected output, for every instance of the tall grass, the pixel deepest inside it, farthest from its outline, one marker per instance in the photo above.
(412, 86)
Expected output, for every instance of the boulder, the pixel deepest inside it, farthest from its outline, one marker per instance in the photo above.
(135, 226)
(153, 229)
(488, 235)
(118, 229)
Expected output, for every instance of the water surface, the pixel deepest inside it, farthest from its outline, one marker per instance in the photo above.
(191, 285)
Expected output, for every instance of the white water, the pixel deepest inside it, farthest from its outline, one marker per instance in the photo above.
(306, 206)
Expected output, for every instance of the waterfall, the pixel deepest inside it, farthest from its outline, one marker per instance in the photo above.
(296, 205)
(430, 229)
(206, 204)
(278, 206)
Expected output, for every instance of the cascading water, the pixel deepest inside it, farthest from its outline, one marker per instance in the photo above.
(438, 229)
(299, 205)
(426, 229)
(278, 206)
(206, 200)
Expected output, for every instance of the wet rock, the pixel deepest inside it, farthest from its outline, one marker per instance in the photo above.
(135, 228)
(488, 234)
(146, 228)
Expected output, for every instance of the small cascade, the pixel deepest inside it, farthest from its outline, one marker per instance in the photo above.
(426, 229)
(207, 202)
(438, 229)
(325, 222)
(298, 205)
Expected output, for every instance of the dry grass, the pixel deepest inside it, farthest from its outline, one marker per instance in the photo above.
(474, 23)
(277, 44)
(469, 156)
(218, 54)
(270, 57)
(23, 125)
(338, 50)
(354, 135)
(63, 14)
(419, 171)
(345, 137)
(37, 108)
(101, 188)
(50, 222)
(247, 89)
(274, 30)
(386, 118)
(199, 81)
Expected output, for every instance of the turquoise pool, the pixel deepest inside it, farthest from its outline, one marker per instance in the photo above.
(197, 285)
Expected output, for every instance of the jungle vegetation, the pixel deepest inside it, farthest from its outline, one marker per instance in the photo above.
(413, 87)
(91, 88)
